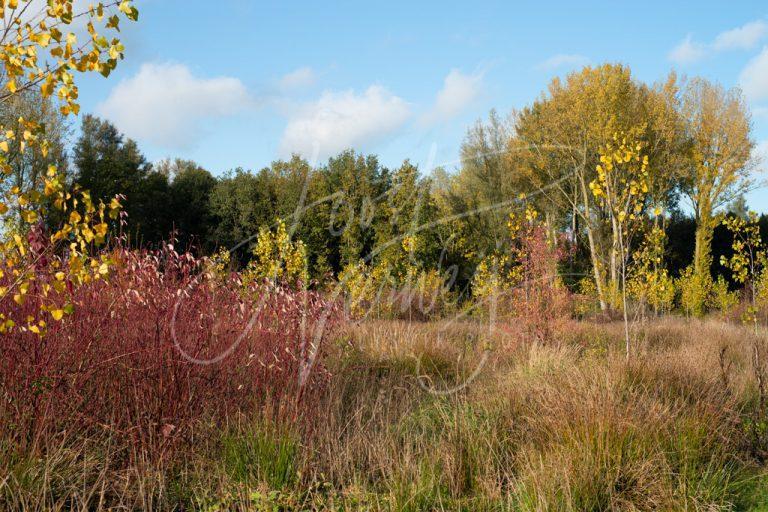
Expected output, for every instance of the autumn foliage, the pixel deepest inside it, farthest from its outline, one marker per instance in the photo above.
(159, 345)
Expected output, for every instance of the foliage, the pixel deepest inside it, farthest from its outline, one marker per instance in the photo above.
(29, 167)
(621, 187)
(521, 281)
(749, 261)
(396, 288)
(504, 269)
(723, 299)
(718, 164)
(695, 291)
(556, 150)
(278, 258)
(483, 186)
(39, 54)
(107, 164)
(35, 273)
(38, 50)
(650, 282)
(190, 191)
(202, 346)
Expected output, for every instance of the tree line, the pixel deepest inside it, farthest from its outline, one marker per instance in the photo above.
(695, 134)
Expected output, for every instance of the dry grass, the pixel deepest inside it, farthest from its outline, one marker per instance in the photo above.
(569, 425)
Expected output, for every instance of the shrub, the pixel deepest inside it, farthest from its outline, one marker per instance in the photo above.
(278, 258)
(723, 300)
(379, 292)
(649, 282)
(522, 283)
(154, 349)
(695, 292)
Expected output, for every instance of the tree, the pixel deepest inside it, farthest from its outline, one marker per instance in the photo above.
(556, 149)
(190, 193)
(749, 260)
(621, 186)
(650, 282)
(107, 164)
(239, 205)
(359, 184)
(243, 202)
(718, 127)
(486, 182)
(407, 210)
(39, 53)
(28, 168)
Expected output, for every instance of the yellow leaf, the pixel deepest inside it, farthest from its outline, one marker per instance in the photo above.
(29, 216)
(57, 314)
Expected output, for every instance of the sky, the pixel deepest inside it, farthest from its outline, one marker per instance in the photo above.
(240, 83)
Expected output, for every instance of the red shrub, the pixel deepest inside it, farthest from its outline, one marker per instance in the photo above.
(160, 345)
(541, 303)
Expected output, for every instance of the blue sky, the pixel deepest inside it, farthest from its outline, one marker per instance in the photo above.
(239, 83)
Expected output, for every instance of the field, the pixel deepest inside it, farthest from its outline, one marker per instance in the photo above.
(397, 415)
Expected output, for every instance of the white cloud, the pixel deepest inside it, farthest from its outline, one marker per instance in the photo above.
(459, 91)
(563, 60)
(744, 37)
(754, 77)
(687, 51)
(740, 38)
(301, 77)
(166, 105)
(341, 120)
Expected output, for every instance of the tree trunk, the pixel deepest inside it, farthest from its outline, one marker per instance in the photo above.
(593, 249)
(597, 270)
(705, 225)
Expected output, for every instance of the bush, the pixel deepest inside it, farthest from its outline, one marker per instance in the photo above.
(378, 292)
(158, 347)
(723, 300)
(522, 286)
(695, 292)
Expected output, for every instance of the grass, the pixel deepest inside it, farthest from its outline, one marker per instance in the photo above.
(568, 425)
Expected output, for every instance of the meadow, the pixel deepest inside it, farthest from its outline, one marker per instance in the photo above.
(126, 405)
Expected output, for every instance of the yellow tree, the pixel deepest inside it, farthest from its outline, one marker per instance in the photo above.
(556, 148)
(278, 258)
(651, 283)
(41, 49)
(749, 260)
(717, 169)
(622, 186)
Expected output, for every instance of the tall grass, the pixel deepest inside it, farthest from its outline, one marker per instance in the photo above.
(105, 412)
